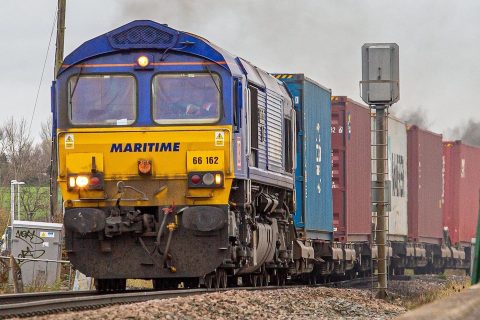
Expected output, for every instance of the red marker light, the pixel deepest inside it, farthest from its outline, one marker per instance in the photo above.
(95, 181)
(195, 179)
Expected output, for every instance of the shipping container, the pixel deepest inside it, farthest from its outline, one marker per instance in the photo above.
(461, 166)
(398, 176)
(424, 186)
(351, 170)
(313, 216)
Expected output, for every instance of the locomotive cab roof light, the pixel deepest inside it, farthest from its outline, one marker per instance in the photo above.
(144, 62)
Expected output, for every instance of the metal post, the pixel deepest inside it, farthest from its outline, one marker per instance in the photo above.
(12, 201)
(381, 171)
(18, 201)
(58, 64)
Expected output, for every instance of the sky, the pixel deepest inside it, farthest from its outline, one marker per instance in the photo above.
(439, 45)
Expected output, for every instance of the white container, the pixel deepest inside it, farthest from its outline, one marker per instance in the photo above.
(397, 174)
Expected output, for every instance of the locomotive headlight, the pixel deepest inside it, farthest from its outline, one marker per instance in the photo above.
(71, 182)
(208, 179)
(81, 181)
(93, 181)
(143, 61)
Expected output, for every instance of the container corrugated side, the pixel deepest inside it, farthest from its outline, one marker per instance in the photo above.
(351, 171)
(461, 190)
(424, 186)
(398, 175)
(314, 166)
(317, 161)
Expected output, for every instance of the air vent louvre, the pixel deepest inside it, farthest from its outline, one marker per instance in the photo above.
(141, 37)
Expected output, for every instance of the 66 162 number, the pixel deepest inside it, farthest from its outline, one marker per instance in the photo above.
(205, 160)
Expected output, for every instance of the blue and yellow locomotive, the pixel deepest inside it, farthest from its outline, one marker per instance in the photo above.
(176, 163)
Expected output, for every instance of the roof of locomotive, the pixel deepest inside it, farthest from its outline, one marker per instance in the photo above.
(147, 34)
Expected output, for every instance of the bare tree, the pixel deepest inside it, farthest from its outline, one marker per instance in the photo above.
(24, 160)
(17, 147)
(34, 199)
(44, 152)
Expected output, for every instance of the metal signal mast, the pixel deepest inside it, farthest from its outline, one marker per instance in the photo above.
(380, 89)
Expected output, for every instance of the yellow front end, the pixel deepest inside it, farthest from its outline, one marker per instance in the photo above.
(145, 166)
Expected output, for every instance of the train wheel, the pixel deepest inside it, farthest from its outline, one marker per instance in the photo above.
(209, 281)
(276, 278)
(221, 279)
(283, 277)
(225, 279)
(254, 280)
(266, 278)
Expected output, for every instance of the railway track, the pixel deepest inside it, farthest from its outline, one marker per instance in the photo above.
(30, 304)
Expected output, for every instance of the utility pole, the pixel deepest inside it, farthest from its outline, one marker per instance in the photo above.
(58, 63)
(380, 89)
(60, 35)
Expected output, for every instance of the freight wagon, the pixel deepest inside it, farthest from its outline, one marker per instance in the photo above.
(313, 214)
(426, 248)
(461, 163)
(351, 175)
(425, 186)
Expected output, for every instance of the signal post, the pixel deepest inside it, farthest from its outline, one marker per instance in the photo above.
(380, 89)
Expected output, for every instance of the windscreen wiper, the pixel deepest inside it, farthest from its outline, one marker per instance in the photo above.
(213, 79)
(75, 85)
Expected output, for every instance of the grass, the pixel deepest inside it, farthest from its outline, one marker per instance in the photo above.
(139, 283)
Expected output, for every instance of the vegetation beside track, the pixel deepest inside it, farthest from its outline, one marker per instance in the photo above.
(424, 289)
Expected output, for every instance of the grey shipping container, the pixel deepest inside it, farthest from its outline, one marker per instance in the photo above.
(424, 186)
(33, 242)
(351, 170)
(313, 175)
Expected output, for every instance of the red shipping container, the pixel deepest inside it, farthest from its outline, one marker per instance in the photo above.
(461, 190)
(425, 223)
(351, 170)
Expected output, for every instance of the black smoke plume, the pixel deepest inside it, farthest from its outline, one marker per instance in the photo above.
(417, 116)
(469, 132)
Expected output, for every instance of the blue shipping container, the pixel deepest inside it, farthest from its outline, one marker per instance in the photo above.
(313, 176)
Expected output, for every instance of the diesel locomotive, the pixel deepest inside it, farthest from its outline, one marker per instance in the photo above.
(176, 163)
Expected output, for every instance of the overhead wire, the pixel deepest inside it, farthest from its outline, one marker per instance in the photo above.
(43, 72)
